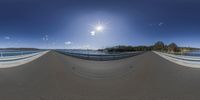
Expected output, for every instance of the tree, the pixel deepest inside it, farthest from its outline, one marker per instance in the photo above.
(172, 47)
(159, 46)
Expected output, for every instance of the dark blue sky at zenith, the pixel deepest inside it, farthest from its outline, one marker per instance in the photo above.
(69, 23)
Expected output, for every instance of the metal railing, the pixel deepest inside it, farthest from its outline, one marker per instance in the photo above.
(4, 54)
(100, 57)
(189, 61)
(182, 57)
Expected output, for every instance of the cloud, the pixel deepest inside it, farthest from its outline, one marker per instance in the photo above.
(160, 24)
(156, 24)
(7, 38)
(68, 43)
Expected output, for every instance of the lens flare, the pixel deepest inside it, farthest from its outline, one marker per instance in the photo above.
(93, 33)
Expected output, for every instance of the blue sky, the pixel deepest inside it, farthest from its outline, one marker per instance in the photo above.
(69, 23)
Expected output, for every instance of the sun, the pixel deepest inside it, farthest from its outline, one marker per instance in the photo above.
(99, 28)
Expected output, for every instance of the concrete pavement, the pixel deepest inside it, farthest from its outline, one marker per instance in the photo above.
(58, 77)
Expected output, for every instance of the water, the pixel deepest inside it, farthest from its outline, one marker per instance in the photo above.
(193, 53)
(8, 53)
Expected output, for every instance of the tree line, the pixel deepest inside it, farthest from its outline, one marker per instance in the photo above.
(158, 46)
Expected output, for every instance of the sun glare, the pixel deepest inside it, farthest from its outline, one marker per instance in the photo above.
(99, 28)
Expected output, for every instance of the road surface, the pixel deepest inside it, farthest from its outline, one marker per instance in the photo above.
(57, 77)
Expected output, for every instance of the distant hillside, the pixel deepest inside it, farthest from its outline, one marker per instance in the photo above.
(123, 48)
(158, 46)
(19, 49)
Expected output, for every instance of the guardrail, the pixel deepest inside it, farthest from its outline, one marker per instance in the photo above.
(12, 61)
(18, 57)
(15, 53)
(101, 57)
(190, 61)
